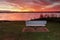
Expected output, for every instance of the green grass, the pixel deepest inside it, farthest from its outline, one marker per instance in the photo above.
(14, 30)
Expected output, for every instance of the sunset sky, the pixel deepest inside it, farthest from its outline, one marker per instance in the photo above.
(26, 6)
(30, 5)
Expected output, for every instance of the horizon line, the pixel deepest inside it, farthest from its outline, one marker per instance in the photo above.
(30, 12)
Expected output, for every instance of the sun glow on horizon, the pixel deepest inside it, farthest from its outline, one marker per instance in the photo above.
(6, 6)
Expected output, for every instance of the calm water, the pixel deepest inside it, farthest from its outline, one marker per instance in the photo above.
(24, 16)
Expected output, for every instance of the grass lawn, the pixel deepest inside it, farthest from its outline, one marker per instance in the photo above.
(13, 31)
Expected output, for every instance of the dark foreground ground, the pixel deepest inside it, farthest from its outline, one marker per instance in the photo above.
(13, 31)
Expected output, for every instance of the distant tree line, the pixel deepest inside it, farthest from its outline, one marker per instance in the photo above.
(48, 18)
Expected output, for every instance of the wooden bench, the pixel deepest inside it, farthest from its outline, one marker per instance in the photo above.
(35, 26)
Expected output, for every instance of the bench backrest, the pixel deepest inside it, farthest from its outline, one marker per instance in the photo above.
(36, 23)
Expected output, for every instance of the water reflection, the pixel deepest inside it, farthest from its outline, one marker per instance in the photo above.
(25, 16)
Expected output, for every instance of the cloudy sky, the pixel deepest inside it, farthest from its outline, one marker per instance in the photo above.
(27, 5)
(30, 5)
